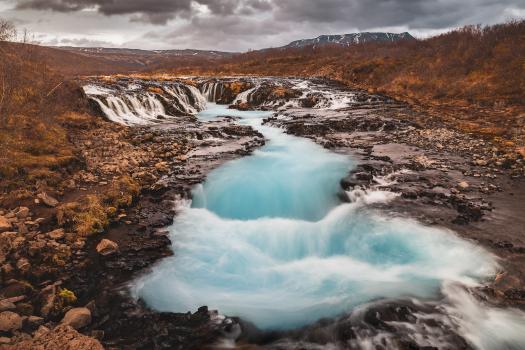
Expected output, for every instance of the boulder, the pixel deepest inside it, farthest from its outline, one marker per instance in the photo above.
(480, 162)
(77, 318)
(34, 322)
(23, 265)
(5, 224)
(47, 298)
(107, 247)
(463, 185)
(10, 321)
(22, 213)
(56, 234)
(47, 200)
(7, 305)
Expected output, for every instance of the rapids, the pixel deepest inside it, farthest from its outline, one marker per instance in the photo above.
(267, 239)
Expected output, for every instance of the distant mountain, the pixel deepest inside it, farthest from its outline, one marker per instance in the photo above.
(144, 59)
(349, 39)
(138, 52)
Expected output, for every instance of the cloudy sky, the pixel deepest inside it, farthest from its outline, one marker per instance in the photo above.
(239, 25)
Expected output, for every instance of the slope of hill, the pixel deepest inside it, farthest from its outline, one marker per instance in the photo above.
(350, 39)
(140, 59)
(473, 77)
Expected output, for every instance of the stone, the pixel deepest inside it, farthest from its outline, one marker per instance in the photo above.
(34, 322)
(25, 309)
(18, 242)
(77, 318)
(480, 162)
(162, 166)
(107, 247)
(47, 299)
(23, 265)
(6, 305)
(36, 247)
(5, 224)
(47, 200)
(10, 321)
(56, 234)
(463, 185)
(22, 213)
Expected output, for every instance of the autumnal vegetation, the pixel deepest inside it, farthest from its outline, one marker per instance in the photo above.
(40, 112)
(472, 78)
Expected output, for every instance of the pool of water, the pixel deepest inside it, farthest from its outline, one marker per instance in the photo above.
(267, 239)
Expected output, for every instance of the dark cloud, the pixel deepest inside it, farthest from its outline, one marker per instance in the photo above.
(157, 11)
(384, 13)
(243, 24)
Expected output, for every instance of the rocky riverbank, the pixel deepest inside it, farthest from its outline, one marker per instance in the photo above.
(443, 177)
(70, 246)
(67, 247)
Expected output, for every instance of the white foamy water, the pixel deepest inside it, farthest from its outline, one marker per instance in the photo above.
(267, 240)
(136, 104)
(266, 237)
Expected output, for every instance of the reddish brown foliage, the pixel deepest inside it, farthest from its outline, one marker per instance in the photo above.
(473, 74)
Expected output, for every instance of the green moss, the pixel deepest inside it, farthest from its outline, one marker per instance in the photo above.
(67, 296)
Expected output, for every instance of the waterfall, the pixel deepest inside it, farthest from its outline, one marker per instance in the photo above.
(245, 96)
(188, 98)
(143, 103)
(212, 90)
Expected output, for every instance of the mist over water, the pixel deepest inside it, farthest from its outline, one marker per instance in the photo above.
(267, 239)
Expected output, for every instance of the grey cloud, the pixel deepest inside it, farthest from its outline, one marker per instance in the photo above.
(384, 13)
(156, 12)
(243, 24)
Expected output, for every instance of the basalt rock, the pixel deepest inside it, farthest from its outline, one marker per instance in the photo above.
(77, 318)
(106, 247)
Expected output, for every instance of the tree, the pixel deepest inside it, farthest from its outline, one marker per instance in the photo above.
(7, 30)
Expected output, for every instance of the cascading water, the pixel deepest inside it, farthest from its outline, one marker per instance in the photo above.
(266, 239)
(212, 90)
(140, 103)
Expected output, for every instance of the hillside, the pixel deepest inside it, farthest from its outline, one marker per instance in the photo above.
(136, 59)
(472, 78)
(466, 77)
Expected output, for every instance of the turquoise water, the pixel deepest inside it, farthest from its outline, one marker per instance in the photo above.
(266, 239)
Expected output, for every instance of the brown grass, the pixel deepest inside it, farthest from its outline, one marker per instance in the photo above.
(92, 213)
(473, 76)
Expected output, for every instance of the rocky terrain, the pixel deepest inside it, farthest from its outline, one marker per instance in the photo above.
(60, 274)
(444, 177)
(67, 252)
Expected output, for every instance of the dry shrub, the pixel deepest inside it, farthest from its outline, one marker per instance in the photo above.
(471, 67)
(32, 149)
(92, 214)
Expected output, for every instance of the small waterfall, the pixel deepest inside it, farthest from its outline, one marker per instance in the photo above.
(245, 96)
(188, 98)
(131, 109)
(143, 103)
(212, 90)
